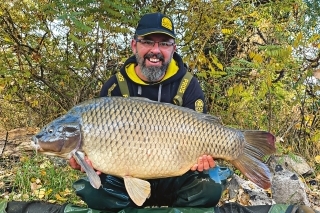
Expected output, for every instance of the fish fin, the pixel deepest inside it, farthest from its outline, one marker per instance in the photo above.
(138, 190)
(143, 99)
(212, 119)
(250, 163)
(94, 179)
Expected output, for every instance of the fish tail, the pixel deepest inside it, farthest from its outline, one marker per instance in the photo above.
(250, 162)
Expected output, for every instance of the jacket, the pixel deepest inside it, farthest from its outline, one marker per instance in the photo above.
(163, 91)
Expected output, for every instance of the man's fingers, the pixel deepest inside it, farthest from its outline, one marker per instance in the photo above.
(205, 162)
(73, 163)
(211, 161)
(200, 164)
(194, 167)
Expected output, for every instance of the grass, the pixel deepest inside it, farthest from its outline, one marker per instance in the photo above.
(38, 177)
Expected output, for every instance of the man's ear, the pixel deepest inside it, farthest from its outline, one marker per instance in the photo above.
(133, 46)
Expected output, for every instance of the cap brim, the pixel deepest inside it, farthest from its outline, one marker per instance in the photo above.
(153, 31)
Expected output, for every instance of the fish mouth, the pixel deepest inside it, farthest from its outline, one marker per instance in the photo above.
(35, 144)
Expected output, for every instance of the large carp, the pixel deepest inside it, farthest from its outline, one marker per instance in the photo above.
(136, 139)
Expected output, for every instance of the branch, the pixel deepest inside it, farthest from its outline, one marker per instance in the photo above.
(280, 76)
(261, 36)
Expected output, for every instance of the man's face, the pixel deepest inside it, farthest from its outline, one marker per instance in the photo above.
(153, 58)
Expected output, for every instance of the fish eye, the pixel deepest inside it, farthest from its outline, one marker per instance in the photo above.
(50, 130)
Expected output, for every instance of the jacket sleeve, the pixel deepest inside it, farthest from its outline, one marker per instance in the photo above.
(193, 97)
(110, 88)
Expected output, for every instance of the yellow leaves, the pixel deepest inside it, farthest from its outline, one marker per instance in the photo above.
(256, 57)
(317, 159)
(268, 80)
(216, 61)
(36, 188)
(298, 39)
(24, 158)
(314, 38)
(45, 164)
(254, 14)
(40, 193)
(201, 59)
(227, 31)
(235, 90)
(35, 103)
(316, 136)
(2, 86)
(30, 3)
(43, 173)
(7, 39)
(61, 196)
(212, 62)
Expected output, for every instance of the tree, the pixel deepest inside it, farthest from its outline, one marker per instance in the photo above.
(251, 57)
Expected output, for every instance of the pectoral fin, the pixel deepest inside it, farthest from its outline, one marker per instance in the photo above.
(138, 190)
(94, 179)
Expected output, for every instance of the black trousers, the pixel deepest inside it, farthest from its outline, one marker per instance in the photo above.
(43, 207)
(192, 189)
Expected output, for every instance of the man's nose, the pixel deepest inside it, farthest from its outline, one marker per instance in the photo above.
(155, 48)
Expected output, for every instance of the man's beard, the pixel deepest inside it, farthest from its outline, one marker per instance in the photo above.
(152, 73)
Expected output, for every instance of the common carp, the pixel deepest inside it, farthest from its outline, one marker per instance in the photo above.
(139, 139)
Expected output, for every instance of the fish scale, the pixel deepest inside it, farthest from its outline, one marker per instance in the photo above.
(136, 138)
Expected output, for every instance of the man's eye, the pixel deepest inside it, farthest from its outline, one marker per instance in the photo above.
(147, 42)
(165, 44)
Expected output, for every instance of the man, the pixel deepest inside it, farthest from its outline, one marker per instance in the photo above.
(155, 71)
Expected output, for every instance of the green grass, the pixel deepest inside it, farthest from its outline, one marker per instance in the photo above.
(37, 177)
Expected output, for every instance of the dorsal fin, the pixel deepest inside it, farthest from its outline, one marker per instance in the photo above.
(212, 119)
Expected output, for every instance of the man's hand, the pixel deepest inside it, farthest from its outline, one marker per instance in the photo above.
(205, 162)
(73, 163)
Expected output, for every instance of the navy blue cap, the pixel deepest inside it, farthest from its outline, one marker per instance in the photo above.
(155, 23)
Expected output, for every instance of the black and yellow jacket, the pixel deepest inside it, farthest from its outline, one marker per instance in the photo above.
(189, 95)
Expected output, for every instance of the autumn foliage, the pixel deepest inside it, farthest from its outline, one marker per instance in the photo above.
(257, 61)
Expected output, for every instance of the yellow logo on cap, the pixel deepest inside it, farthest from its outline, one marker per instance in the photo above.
(166, 23)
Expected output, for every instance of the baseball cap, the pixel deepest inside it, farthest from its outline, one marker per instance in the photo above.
(155, 23)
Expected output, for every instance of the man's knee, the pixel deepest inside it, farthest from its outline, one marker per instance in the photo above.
(33, 206)
(110, 196)
(201, 192)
